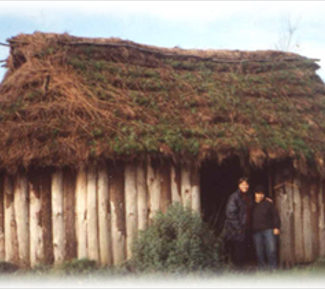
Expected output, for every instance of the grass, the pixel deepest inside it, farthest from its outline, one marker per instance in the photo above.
(86, 267)
(302, 276)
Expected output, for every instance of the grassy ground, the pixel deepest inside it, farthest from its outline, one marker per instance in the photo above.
(85, 275)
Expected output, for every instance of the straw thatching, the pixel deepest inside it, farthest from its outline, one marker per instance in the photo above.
(67, 100)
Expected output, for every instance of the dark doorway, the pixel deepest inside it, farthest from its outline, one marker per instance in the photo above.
(219, 181)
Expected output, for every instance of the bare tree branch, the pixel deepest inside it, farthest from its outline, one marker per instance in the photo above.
(287, 34)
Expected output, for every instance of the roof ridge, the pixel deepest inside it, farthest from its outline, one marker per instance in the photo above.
(219, 60)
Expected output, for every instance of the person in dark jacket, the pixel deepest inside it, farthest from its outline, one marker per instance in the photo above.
(265, 227)
(237, 223)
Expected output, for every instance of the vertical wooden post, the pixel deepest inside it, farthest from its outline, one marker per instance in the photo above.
(81, 213)
(314, 217)
(195, 189)
(321, 220)
(118, 213)
(142, 197)
(130, 206)
(69, 188)
(92, 220)
(11, 242)
(284, 204)
(154, 188)
(306, 217)
(186, 187)
(104, 217)
(21, 200)
(58, 231)
(46, 215)
(35, 224)
(278, 190)
(298, 230)
(285, 236)
(2, 235)
(175, 184)
(290, 223)
(165, 192)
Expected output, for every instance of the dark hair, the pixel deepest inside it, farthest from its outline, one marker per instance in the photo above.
(260, 189)
(243, 179)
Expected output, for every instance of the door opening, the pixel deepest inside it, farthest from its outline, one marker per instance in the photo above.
(218, 182)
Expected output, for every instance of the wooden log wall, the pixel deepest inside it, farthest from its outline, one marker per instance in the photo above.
(321, 219)
(92, 216)
(50, 216)
(57, 217)
(104, 218)
(300, 202)
(10, 227)
(96, 212)
(36, 238)
(40, 218)
(81, 213)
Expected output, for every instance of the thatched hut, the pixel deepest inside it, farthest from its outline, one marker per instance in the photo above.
(99, 134)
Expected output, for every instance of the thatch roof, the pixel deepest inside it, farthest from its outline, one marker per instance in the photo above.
(68, 100)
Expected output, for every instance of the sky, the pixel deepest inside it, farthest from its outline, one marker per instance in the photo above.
(233, 25)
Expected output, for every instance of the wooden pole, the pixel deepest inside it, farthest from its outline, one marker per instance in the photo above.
(186, 191)
(290, 223)
(314, 217)
(165, 191)
(130, 207)
(195, 189)
(81, 213)
(92, 220)
(11, 242)
(104, 217)
(69, 188)
(35, 224)
(278, 191)
(46, 214)
(285, 200)
(298, 230)
(321, 220)
(280, 203)
(285, 237)
(306, 218)
(21, 200)
(2, 235)
(154, 188)
(118, 213)
(175, 184)
(58, 231)
(142, 197)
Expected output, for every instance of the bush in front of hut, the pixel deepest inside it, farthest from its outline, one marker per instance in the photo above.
(176, 241)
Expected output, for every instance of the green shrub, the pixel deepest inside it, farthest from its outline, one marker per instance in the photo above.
(40, 270)
(78, 266)
(177, 241)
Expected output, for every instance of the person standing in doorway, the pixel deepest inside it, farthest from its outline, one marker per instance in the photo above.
(238, 223)
(265, 228)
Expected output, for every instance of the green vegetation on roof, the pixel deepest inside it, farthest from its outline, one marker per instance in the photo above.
(67, 100)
